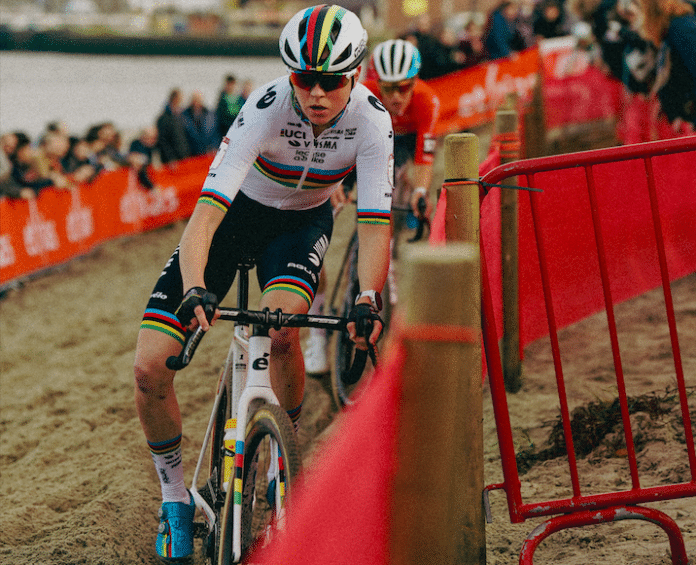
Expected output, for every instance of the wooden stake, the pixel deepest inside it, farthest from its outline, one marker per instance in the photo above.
(437, 511)
(438, 514)
(462, 164)
(506, 127)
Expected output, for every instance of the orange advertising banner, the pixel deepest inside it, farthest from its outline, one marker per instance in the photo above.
(470, 97)
(61, 224)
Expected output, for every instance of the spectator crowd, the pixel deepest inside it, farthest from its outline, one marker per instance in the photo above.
(648, 45)
(61, 160)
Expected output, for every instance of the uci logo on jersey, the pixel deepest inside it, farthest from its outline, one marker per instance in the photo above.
(293, 133)
(293, 136)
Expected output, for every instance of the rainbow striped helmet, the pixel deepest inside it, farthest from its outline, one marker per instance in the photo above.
(323, 38)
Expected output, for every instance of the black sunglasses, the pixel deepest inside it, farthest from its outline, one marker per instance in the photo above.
(327, 82)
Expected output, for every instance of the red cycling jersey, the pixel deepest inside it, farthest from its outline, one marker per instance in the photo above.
(419, 117)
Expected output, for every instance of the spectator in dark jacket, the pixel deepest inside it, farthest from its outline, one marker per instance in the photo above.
(141, 155)
(499, 36)
(173, 143)
(671, 26)
(9, 142)
(201, 126)
(228, 106)
(549, 19)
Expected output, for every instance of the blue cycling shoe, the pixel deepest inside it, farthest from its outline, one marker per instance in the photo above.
(175, 534)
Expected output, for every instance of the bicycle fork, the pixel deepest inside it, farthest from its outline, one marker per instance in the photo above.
(258, 388)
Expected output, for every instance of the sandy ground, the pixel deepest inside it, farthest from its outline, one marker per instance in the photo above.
(78, 485)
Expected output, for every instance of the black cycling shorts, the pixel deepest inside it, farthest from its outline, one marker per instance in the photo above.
(287, 246)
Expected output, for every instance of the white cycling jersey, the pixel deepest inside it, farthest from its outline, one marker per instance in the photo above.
(271, 155)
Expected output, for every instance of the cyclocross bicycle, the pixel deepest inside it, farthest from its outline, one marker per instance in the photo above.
(250, 441)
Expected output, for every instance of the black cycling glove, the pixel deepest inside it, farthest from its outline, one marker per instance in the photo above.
(196, 296)
(364, 316)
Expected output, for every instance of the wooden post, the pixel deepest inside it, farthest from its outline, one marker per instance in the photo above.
(437, 508)
(462, 162)
(534, 125)
(506, 127)
(438, 514)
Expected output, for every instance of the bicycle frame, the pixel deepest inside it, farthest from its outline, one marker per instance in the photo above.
(245, 384)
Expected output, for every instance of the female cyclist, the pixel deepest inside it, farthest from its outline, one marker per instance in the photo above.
(266, 197)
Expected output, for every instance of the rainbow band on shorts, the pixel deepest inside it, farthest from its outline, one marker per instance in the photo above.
(215, 198)
(163, 321)
(378, 217)
(291, 284)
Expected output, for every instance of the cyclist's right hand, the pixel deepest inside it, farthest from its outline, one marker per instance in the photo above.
(199, 307)
(365, 325)
(420, 204)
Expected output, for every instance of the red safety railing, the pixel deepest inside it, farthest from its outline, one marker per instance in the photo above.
(584, 509)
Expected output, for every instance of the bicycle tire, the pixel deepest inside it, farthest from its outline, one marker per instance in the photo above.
(343, 350)
(343, 392)
(267, 421)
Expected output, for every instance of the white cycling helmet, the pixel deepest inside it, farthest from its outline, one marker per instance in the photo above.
(396, 60)
(323, 38)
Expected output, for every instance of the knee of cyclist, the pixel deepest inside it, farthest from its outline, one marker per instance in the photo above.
(285, 341)
(151, 381)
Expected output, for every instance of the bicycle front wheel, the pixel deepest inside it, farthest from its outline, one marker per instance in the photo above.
(272, 461)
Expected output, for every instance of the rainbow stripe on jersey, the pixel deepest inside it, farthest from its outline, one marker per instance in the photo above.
(215, 198)
(290, 175)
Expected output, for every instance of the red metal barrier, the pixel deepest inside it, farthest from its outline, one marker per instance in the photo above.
(582, 509)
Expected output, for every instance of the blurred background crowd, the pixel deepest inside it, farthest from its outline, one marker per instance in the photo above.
(59, 158)
(648, 45)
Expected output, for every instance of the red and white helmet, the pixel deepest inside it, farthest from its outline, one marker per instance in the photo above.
(323, 38)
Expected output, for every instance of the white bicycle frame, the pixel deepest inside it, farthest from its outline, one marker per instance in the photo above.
(250, 382)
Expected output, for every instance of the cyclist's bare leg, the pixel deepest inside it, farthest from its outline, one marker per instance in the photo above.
(160, 418)
(155, 399)
(287, 363)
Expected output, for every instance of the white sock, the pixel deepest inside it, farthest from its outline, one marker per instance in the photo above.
(167, 458)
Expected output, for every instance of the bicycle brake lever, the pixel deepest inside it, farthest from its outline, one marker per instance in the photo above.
(178, 362)
(356, 370)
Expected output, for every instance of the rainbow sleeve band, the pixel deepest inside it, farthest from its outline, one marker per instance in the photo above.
(378, 217)
(215, 198)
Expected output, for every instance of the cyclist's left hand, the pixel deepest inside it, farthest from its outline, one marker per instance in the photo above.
(365, 325)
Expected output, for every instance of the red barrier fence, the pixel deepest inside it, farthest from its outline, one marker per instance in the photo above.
(609, 225)
(354, 474)
(59, 225)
